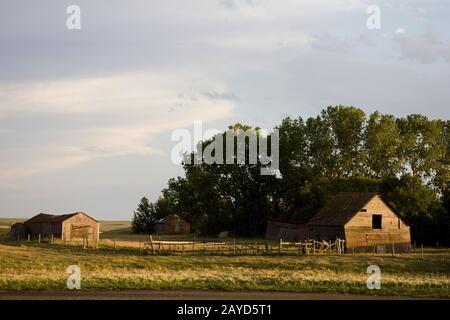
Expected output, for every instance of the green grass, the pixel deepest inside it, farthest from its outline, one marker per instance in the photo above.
(34, 266)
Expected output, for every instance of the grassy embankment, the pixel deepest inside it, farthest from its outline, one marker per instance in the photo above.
(34, 266)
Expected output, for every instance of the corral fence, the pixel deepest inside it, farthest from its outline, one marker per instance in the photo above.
(307, 247)
(226, 247)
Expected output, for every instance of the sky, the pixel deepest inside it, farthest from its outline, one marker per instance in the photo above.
(86, 115)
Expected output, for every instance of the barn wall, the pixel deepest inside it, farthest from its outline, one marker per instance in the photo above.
(45, 229)
(18, 232)
(359, 232)
(81, 226)
(169, 226)
(323, 232)
(288, 231)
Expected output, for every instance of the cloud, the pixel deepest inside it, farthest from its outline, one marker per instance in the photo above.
(214, 95)
(424, 48)
(85, 119)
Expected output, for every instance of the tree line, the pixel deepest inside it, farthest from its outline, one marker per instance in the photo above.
(406, 159)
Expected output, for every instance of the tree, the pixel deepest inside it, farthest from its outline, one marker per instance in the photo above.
(144, 218)
(320, 151)
(346, 127)
(382, 145)
(422, 145)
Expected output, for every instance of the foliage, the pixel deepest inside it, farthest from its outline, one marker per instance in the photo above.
(145, 217)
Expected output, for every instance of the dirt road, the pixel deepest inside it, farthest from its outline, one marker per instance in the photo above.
(182, 295)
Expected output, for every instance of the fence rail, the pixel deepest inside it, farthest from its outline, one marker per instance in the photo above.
(306, 247)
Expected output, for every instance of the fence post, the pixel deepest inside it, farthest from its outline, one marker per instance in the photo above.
(234, 245)
(151, 245)
(28, 237)
(280, 245)
(39, 238)
(421, 250)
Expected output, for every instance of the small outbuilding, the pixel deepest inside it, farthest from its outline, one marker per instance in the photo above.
(76, 225)
(172, 224)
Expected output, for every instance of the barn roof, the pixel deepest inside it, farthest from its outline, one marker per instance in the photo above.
(342, 207)
(50, 218)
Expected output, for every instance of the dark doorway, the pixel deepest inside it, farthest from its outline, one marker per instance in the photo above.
(376, 221)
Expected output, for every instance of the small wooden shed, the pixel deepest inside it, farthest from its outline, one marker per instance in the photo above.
(365, 220)
(76, 225)
(172, 224)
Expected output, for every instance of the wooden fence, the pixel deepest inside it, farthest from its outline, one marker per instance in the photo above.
(306, 247)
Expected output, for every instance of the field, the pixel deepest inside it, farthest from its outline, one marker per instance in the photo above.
(28, 266)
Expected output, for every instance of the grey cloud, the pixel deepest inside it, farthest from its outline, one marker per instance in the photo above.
(233, 4)
(214, 95)
(426, 48)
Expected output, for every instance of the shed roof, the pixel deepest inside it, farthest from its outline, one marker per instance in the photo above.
(174, 215)
(50, 218)
(342, 207)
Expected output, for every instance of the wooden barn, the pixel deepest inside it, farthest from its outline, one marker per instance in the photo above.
(172, 224)
(76, 225)
(364, 220)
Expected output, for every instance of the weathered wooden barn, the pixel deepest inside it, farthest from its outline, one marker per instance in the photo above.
(364, 220)
(172, 224)
(76, 225)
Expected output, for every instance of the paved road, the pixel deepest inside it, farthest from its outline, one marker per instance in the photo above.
(182, 295)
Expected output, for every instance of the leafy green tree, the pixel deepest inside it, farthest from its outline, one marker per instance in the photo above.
(321, 152)
(382, 145)
(422, 145)
(346, 126)
(144, 218)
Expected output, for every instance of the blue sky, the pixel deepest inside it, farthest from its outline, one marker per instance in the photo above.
(86, 115)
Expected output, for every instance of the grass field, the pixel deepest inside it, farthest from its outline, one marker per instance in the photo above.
(43, 266)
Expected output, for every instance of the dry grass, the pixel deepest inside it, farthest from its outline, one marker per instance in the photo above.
(43, 267)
